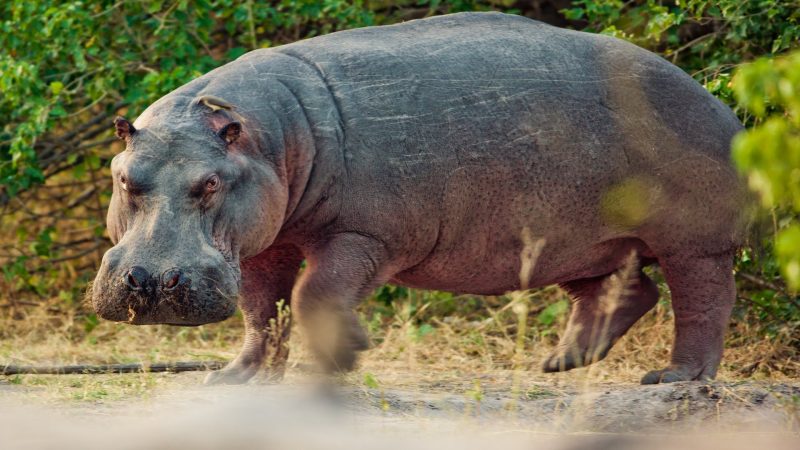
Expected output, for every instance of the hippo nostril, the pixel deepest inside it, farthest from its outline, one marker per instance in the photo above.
(136, 278)
(172, 279)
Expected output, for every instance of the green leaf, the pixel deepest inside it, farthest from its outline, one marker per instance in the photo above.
(370, 381)
(58, 111)
(154, 7)
(552, 312)
(56, 87)
(91, 321)
(787, 249)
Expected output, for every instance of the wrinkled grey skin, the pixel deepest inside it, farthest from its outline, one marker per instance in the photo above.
(434, 154)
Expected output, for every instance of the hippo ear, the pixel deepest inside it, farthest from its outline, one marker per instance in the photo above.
(230, 132)
(124, 129)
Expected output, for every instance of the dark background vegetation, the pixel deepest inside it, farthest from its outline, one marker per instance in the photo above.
(68, 67)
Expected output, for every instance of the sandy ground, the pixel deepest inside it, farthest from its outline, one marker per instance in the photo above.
(176, 411)
(458, 386)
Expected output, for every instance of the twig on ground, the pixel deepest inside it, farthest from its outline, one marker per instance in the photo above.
(87, 369)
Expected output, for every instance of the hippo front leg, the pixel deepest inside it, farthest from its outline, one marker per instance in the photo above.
(266, 279)
(703, 292)
(339, 274)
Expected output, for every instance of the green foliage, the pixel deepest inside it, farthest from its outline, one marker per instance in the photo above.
(767, 301)
(552, 313)
(370, 381)
(769, 152)
(707, 38)
(61, 58)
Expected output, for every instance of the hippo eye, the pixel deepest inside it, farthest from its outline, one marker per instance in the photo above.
(123, 182)
(212, 184)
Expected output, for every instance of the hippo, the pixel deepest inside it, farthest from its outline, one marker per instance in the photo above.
(476, 153)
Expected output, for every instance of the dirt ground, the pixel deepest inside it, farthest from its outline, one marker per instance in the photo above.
(463, 383)
(307, 411)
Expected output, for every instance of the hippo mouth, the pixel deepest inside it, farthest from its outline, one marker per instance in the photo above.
(189, 313)
(206, 297)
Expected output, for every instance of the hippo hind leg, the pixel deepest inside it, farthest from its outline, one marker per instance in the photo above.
(703, 292)
(603, 309)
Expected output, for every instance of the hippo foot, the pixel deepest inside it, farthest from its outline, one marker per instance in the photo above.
(673, 375)
(232, 374)
(342, 358)
(573, 358)
(343, 361)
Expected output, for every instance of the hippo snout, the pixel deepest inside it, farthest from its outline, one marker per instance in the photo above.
(173, 279)
(191, 295)
(137, 279)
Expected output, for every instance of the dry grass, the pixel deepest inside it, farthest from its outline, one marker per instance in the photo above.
(429, 341)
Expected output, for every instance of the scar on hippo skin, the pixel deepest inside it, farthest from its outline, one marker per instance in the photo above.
(215, 103)
(123, 128)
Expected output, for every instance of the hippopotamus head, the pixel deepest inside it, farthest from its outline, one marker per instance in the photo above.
(192, 194)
